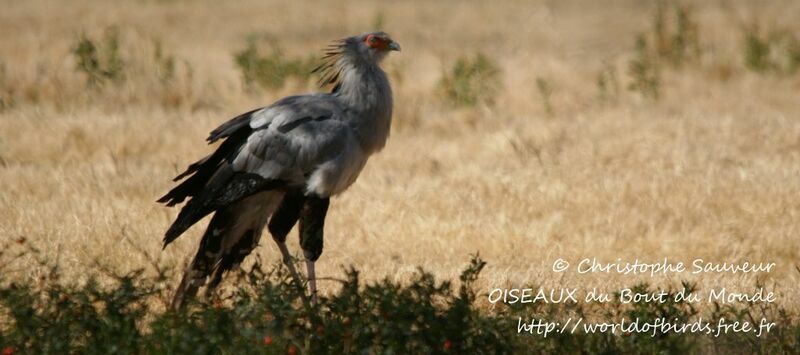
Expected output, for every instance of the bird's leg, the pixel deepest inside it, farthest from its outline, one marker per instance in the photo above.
(312, 222)
(282, 222)
(191, 282)
(287, 260)
(312, 278)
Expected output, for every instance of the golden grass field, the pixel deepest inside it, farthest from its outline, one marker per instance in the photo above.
(710, 170)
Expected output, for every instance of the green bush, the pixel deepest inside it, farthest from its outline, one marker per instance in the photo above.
(676, 37)
(471, 81)
(644, 70)
(270, 71)
(607, 84)
(268, 313)
(545, 90)
(100, 59)
(673, 40)
(7, 90)
(775, 51)
(165, 63)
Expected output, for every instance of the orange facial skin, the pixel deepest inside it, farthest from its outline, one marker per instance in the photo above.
(376, 42)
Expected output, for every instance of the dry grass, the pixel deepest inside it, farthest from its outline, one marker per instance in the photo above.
(711, 170)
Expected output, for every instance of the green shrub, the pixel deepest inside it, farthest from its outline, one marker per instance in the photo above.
(775, 51)
(673, 40)
(607, 84)
(165, 63)
(149, 71)
(471, 81)
(6, 89)
(100, 60)
(676, 37)
(268, 313)
(270, 71)
(756, 52)
(644, 70)
(545, 91)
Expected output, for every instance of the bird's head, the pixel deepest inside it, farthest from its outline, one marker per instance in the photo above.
(377, 43)
(365, 49)
(368, 47)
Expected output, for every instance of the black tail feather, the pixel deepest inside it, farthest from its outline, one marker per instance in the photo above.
(192, 168)
(233, 126)
(204, 169)
(211, 261)
(225, 189)
(207, 256)
(233, 257)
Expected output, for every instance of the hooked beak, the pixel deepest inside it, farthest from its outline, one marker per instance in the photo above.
(394, 46)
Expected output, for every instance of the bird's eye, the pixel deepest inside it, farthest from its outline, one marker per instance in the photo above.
(373, 40)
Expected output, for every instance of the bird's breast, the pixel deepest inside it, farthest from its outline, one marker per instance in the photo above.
(334, 176)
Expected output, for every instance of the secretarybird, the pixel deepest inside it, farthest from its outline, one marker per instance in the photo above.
(282, 163)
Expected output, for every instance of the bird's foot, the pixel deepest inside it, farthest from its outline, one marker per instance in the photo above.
(289, 262)
(312, 279)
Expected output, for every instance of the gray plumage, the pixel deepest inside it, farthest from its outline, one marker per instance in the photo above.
(291, 156)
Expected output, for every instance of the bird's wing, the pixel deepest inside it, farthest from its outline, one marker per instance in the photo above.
(268, 148)
(290, 138)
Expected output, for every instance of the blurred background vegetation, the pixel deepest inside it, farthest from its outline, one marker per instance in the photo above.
(526, 130)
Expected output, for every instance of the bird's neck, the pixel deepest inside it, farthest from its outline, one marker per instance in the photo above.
(365, 91)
